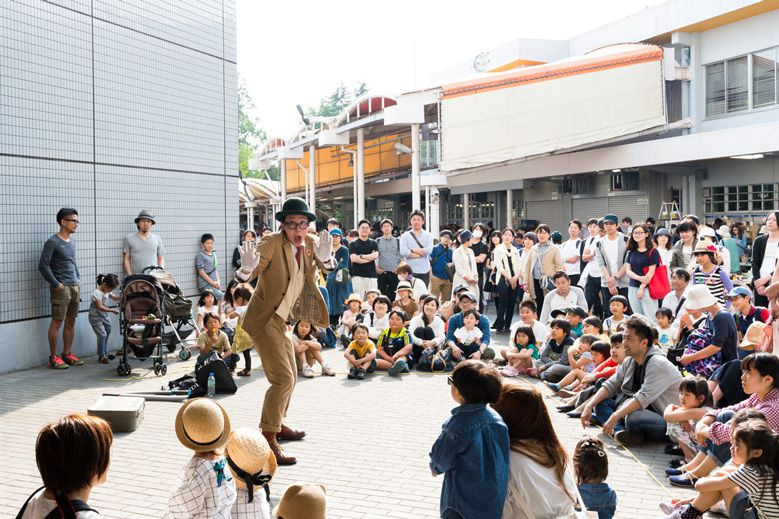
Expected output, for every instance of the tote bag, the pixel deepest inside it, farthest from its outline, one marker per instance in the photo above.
(659, 286)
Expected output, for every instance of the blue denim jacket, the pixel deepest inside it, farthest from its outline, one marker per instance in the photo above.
(599, 497)
(472, 452)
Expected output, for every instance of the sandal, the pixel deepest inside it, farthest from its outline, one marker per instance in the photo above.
(245, 373)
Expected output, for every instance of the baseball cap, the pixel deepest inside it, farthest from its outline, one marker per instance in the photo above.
(470, 295)
(740, 291)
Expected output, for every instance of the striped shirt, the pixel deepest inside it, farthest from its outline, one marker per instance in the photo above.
(717, 282)
(756, 482)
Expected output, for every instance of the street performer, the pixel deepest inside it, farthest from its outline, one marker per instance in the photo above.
(285, 264)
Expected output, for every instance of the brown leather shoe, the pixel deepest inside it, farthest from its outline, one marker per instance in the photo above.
(281, 458)
(290, 435)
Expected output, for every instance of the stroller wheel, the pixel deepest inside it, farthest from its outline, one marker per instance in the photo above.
(163, 370)
(156, 369)
(185, 354)
(123, 370)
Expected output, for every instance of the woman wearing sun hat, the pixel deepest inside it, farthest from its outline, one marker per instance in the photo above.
(206, 490)
(253, 465)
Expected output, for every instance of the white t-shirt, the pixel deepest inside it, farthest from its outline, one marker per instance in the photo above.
(611, 251)
(540, 331)
(769, 259)
(40, 506)
(537, 486)
(590, 268)
(666, 337)
(466, 336)
(571, 248)
(558, 302)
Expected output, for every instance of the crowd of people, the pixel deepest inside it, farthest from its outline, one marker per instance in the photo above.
(650, 332)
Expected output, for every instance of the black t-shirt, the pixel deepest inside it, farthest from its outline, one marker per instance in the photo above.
(639, 261)
(724, 335)
(478, 249)
(365, 247)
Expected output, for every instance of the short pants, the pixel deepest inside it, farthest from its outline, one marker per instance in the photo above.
(64, 303)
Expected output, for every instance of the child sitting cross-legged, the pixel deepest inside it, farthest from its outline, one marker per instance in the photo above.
(394, 347)
(695, 402)
(528, 316)
(214, 339)
(553, 363)
(591, 465)
(521, 353)
(598, 352)
(308, 349)
(361, 353)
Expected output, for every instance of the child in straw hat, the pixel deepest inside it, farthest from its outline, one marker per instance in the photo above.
(253, 465)
(207, 490)
(302, 501)
(349, 318)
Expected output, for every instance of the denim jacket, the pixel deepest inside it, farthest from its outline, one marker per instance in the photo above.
(472, 452)
(599, 497)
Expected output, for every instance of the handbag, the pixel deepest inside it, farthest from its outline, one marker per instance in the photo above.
(659, 286)
(449, 267)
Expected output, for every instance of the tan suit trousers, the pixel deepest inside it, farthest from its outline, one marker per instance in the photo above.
(278, 362)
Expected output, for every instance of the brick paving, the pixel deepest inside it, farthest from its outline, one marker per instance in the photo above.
(367, 442)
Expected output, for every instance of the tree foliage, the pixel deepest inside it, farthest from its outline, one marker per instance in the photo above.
(338, 100)
(250, 135)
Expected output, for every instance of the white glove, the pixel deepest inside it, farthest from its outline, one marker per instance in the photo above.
(250, 258)
(324, 248)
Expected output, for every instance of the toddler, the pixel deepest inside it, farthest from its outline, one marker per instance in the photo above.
(694, 403)
(361, 353)
(467, 343)
(394, 347)
(73, 456)
(370, 296)
(349, 318)
(666, 330)
(99, 310)
(253, 465)
(618, 305)
(597, 352)
(472, 450)
(521, 353)
(206, 488)
(591, 465)
(242, 342)
(308, 349)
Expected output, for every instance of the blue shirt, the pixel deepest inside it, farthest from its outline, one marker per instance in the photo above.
(440, 258)
(407, 242)
(599, 497)
(456, 321)
(472, 452)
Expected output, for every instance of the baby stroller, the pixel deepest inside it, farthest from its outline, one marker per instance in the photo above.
(178, 312)
(141, 319)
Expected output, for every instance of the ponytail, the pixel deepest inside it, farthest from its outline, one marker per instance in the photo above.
(109, 279)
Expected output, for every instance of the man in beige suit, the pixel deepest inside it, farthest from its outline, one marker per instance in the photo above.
(285, 264)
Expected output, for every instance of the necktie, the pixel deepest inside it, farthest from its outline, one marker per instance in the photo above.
(298, 254)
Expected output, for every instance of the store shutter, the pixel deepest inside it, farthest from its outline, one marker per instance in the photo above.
(628, 205)
(585, 208)
(549, 212)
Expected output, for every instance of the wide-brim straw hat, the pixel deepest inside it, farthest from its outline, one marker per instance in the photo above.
(699, 297)
(353, 297)
(303, 501)
(754, 336)
(295, 206)
(202, 425)
(403, 285)
(248, 449)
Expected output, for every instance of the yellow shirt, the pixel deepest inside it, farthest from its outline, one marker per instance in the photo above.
(362, 351)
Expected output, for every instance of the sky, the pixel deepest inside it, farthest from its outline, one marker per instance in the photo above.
(293, 53)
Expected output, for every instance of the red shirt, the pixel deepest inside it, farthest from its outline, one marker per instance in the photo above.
(606, 368)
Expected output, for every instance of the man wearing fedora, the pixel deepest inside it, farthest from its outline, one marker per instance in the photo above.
(143, 249)
(285, 264)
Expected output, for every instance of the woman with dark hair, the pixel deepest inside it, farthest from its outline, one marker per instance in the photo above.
(764, 256)
(339, 284)
(541, 483)
(465, 271)
(507, 268)
(491, 285)
(737, 233)
(688, 236)
(248, 235)
(480, 250)
(641, 255)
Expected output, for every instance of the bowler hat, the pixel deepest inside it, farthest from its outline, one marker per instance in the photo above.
(145, 215)
(295, 206)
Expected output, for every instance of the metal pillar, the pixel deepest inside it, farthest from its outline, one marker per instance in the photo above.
(415, 184)
(250, 215)
(283, 179)
(312, 178)
(433, 211)
(466, 212)
(360, 164)
(509, 208)
(427, 201)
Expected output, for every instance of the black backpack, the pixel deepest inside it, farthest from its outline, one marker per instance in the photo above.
(213, 363)
(66, 508)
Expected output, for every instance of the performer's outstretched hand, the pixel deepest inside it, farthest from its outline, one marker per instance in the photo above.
(250, 258)
(324, 248)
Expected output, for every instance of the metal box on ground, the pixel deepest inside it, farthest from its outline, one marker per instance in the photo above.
(124, 414)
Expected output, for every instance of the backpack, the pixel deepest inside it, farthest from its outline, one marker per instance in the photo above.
(66, 508)
(213, 363)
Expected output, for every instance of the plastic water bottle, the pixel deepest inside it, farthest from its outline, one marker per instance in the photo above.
(211, 385)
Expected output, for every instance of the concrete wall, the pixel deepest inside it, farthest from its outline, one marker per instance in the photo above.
(130, 106)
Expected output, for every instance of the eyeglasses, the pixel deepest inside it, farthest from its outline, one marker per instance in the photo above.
(302, 226)
(69, 220)
(450, 381)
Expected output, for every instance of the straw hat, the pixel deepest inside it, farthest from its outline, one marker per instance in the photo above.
(202, 425)
(403, 285)
(699, 297)
(704, 246)
(353, 297)
(302, 501)
(754, 335)
(250, 458)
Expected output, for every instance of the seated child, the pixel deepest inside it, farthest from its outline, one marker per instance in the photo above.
(252, 465)
(349, 318)
(591, 465)
(308, 349)
(73, 455)
(361, 353)
(206, 488)
(528, 317)
(302, 500)
(666, 331)
(405, 300)
(378, 320)
(205, 305)
(594, 326)
(370, 296)
(576, 316)
(553, 363)
(242, 342)
(521, 353)
(214, 339)
(405, 274)
(695, 402)
(467, 343)
(618, 305)
(598, 352)
(472, 450)
(394, 347)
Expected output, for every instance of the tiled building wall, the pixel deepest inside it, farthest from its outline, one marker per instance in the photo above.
(111, 106)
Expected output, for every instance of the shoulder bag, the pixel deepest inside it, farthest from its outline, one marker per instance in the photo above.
(659, 286)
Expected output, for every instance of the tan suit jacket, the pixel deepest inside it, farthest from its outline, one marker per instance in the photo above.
(273, 273)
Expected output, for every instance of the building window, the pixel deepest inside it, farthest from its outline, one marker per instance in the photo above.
(715, 89)
(742, 83)
(764, 78)
(755, 198)
(738, 87)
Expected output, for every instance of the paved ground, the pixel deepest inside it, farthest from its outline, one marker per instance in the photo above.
(368, 442)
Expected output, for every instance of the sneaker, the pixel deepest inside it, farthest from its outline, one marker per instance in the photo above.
(361, 374)
(56, 362)
(509, 371)
(673, 471)
(308, 372)
(397, 368)
(684, 481)
(675, 464)
(551, 385)
(679, 511)
(72, 360)
(404, 367)
(673, 450)
(352, 373)
(328, 371)
(566, 408)
(103, 360)
(627, 438)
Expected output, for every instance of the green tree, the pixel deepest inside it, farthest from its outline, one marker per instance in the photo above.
(250, 135)
(336, 102)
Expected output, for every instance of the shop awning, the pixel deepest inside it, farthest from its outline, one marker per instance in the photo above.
(612, 92)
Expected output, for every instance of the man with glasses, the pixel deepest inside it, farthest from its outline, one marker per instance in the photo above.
(58, 267)
(285, 264)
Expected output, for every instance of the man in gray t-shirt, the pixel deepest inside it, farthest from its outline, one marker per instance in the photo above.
(142, 249)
